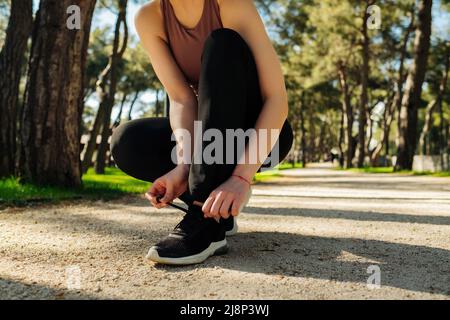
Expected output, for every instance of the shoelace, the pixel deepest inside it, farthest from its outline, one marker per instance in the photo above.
(187, 225)
(170, 204)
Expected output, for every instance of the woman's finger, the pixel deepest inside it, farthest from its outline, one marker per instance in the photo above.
(217, 204)
(225, 207)
(154, 200)
(151, 198)
(157, 188)
(168, 194)
(236, 207)
(207, 205)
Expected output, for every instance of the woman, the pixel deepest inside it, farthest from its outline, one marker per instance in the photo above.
(219, 67)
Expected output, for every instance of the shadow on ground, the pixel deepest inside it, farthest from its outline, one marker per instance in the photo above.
(416, 268)
(412, 267)
(351, 215)
(17, 290)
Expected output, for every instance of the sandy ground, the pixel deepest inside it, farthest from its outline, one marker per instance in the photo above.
(312, 234)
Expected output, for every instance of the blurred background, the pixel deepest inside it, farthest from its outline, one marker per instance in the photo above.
(367, 82)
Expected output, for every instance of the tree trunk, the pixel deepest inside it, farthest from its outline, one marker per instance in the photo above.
(370, 125)
(136, 96)
(115, 57)
(348, 116)
(312, 136)
(11, 63)
(395, 103)
(388, 116)
(159, 107)
(92, 142)
(443, 145)
(54, 94)
(401, 72)
(321, 142)
(364, 86)
(302, 127)
(413, 89)
(424, 147)
(119, 115)
(341, 138)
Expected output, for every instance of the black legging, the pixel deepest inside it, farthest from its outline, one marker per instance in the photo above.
(229, 98)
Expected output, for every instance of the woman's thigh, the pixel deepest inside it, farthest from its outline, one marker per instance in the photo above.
(229, 98)
(142, 148)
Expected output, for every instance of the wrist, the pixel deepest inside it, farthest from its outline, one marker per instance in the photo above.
(243, 180)
(245, 173)
(183, 168)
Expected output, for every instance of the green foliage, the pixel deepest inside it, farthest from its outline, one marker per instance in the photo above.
(138, 74)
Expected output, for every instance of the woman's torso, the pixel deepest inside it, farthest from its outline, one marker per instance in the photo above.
(187, 44)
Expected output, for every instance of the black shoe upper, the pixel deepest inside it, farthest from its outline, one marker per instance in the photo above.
(228, 224)
(191, 236)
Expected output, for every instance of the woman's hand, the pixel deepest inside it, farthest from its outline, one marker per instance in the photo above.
(227, 199)
(169, 187)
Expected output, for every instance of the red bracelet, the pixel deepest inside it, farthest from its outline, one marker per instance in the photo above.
(242, 178)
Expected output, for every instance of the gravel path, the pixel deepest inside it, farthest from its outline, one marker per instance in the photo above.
(312, 234)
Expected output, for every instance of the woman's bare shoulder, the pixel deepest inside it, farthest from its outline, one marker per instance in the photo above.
(239, 15)
(149, 18)
(236, 3)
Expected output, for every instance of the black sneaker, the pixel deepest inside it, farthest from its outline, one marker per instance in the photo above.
(193, 241)
(230, 225)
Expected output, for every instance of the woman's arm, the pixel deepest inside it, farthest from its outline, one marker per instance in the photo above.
(242, 16)
(183, 103)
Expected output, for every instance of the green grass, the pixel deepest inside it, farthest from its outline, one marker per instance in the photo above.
(112, 185)
(274, 173)
(12, 191)
(266, 175)
(114, 179)
(373, 169)
(391, 170)
(433, 174)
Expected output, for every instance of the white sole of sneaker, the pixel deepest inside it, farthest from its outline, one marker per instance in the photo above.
(215, 248)
(233, 231)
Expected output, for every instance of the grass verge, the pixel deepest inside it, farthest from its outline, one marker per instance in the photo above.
(391, 170)
(112, 185)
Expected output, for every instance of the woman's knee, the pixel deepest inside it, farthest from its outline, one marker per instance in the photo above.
(286, 140)
(283, 146)
(140, 143)
(226, 35)
(121, 141)
(223, 41)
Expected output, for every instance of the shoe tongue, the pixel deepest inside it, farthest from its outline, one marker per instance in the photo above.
(190, 221)
(196, 211)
